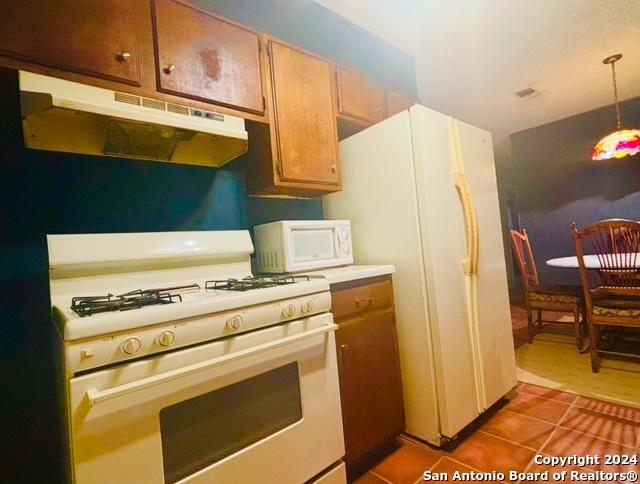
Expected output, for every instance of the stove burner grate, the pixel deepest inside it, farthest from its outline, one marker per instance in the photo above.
(253, 282)
(88, 305)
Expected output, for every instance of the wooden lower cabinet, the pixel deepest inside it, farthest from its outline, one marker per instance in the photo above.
(370, 380)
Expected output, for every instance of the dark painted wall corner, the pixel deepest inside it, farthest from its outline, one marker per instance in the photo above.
(556, 183)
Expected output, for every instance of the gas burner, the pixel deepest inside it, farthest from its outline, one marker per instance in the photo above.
(88, 305)
(254, 282)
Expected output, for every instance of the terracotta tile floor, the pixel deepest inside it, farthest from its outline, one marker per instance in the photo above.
(535, 420)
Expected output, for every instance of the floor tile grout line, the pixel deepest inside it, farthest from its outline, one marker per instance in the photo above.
(420, 479)
(548, 439)
(505, 439)
(436, 463)
(521, 389)
(557, 424)
(529, 416)
(633, 446)
(466, 465)
(380, 477)
(599, 412)
(450, 457)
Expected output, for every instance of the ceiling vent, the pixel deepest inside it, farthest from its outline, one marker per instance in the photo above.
(527, 92)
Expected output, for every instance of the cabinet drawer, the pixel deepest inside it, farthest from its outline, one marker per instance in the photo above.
(350, 301)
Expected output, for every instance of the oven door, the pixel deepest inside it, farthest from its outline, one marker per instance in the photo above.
(258, 407)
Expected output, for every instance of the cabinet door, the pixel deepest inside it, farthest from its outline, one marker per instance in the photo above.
(360, 98)
(205, 57)
(398, 101)
(370, 382)
(94, 37)
(307, 137)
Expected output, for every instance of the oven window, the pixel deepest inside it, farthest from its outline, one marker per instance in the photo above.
(200, 431)
(313, 245)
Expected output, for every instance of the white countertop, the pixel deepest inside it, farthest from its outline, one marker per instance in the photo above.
(352, 273)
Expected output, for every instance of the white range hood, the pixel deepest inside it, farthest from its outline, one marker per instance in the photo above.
(60, 115)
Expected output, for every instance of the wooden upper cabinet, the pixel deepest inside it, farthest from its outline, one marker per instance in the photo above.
(93, 37)
(398, 101)
(359, 97)
(207, 58)
(304, 117)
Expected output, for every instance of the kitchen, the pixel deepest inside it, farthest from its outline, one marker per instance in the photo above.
(60, 193)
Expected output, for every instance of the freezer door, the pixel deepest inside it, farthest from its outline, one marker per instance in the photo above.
(379, 197)
(493, 318)
(441, 224)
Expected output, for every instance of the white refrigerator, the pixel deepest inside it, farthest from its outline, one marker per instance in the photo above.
(420, 191)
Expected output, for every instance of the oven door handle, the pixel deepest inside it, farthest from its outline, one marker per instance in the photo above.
(95, 396)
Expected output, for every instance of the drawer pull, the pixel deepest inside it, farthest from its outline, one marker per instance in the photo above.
(363, 303)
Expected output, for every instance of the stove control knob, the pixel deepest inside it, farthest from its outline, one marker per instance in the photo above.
(234, 322)
(166, 338)
(289, 310)
(131, 346)
(307, 306)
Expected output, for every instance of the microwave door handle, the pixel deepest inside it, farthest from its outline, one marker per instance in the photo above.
(95, 396)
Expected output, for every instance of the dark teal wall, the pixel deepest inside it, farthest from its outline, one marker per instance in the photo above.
(44, 193)
(556, 183)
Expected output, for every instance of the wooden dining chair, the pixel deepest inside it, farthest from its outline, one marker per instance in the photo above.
(541, 298)
(615, 302)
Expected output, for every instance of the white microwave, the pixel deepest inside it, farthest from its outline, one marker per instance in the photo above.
(302, 245)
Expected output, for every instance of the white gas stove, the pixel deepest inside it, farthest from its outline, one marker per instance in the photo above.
(150, 324)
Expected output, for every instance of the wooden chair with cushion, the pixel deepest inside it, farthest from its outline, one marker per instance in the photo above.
(616, 301)
(541, 298)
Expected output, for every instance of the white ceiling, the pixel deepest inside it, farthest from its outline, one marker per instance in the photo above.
(472, 55)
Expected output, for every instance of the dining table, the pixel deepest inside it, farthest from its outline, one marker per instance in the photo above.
(592, 262)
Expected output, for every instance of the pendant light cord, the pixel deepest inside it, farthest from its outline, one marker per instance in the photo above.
(615, 94)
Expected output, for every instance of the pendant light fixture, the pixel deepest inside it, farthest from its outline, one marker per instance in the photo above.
(622, 142)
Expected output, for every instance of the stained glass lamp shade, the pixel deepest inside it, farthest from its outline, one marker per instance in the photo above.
(622, 142)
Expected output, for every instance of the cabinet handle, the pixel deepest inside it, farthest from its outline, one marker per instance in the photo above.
(379, 109)
(343, 352)
(170, 68)
(333, 168)
(124, 56)
(363, 303)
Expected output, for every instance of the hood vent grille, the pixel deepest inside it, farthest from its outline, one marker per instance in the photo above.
(154, 104)
(126, 98)
(176, 108)
(163, 106)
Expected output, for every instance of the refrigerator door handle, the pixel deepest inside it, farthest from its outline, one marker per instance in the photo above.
(470, 222)
(471, 264)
